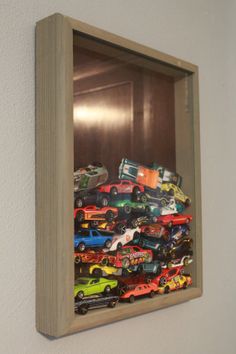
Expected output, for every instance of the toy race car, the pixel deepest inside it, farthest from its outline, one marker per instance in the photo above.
(176, 192)
(90, 177)
(91, 212)
(174, 219)
(83, 305)
(121, 240)
(121, 186)
(178, 282)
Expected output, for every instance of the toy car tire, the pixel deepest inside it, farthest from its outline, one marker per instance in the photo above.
(125, 262)
(80, 216)
(170, 224)
(81, 247)
(187, 202)
(107, 289)
(127, 209)
(131, 299)
(186, 261)
(136, 190)
(167, 289)
(79, 203)
(94, 224)
(185, 285)
(80, 295)
(77, 260)
(82, 310)
(112, 304)
(113, 191)
(148, 258)
(109, 216)
(143, 198)
(97, 164)
(163, 202)
(187, 221)
(108, 244)
(152, 294)
(119, 246)
(162, 281)
(120, 228)
(104, 201)
(147, 209)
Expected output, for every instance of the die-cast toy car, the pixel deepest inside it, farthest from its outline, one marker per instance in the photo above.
(176, 192)
(178, 282)
(85, 238)
(86, 286)
(131, 292)
(121, 186)
(91, 212)
(90, 177)
(174, 219)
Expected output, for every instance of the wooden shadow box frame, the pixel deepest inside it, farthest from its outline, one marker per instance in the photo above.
(54, 174)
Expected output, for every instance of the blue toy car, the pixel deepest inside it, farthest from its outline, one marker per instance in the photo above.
(92, 238)
(150, 242)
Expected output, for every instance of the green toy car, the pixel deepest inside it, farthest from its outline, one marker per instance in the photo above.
(128, 206)
(86, 286)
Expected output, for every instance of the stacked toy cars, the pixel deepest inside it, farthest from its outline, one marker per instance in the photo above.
(131, 235)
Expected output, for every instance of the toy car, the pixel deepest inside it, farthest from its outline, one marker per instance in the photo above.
(120, 240)
(128, 206)
(85, 286)
(176, 250)
(138, 290)
(176, 192)
(178, 231)
(82, 306)
(92, 238)
(148, 242)
(146, 176)
(156, 230)
(167, 274)
(100, 270)
(91, 212)
(174, 219)
(90, 177)
(121, 186)
(90, 256)
(90, 197)
(178, 282)
(131, 255)
(153, 267)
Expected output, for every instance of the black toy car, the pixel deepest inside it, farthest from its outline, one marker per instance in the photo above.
(90, 197)
(82, 306)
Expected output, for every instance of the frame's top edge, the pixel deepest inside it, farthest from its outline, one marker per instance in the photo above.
(123, 42)
(130, 44)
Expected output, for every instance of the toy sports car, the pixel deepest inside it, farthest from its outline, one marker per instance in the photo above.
(83, 305)
(92, 238)
(174, 219)
(178, 282)
(100, 270)
(90, 197)
(91, 212)
(146, 176)
(131, 255)
(128, 206)
(120, 240)
(131, 292)
(90, 177)
(86, 286)
(176, 192)
(121, 186)
(167, 274)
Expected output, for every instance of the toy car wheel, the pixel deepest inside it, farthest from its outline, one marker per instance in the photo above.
(81, 247)
(152, 294)
(131, 299)
(77, 260)
(143, 198)
(113, 191)
(119, 246)
(147, 209)
(187, 221)
(97, 272)
(186, 261)
(148, 258)
(167, 289)
(134, 223)
(140, 269)
(171, 192)
(104, 201)
(162, 281)
(79, 203)
(80, 295)
(120, 228)
(125, 262)
(80, 216)
(104, 261)
(107, 289)
(185, 285)
(94, 224)
(82, 310)
(125, 273)
(108, 244)
(97, 164)
(127, 209)
(170, 224)
(136, 190)
(163, 202)
(112, 304)
(187, 202)
(181, 271)
(109, 216)
(169, 265)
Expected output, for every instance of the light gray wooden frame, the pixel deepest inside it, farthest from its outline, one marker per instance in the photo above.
(54, 176)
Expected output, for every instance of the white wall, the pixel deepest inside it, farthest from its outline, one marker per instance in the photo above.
(202, 32)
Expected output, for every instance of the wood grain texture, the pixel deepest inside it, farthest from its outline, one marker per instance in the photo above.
(54, 174)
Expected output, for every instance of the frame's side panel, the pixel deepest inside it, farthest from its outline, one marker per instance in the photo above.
(54, 176)
(188, 160)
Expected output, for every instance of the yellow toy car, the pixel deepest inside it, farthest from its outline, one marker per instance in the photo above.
(178, 282)
(100, 270)
(176, 192)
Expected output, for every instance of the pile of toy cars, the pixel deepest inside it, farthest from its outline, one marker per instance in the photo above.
(132, 238)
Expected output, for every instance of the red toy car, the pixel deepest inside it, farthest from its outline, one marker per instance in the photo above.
(131, 255)
(167, 274)
(121, 186)
(174, 219)
(155, 230)
(91, 212)
(138, 290)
